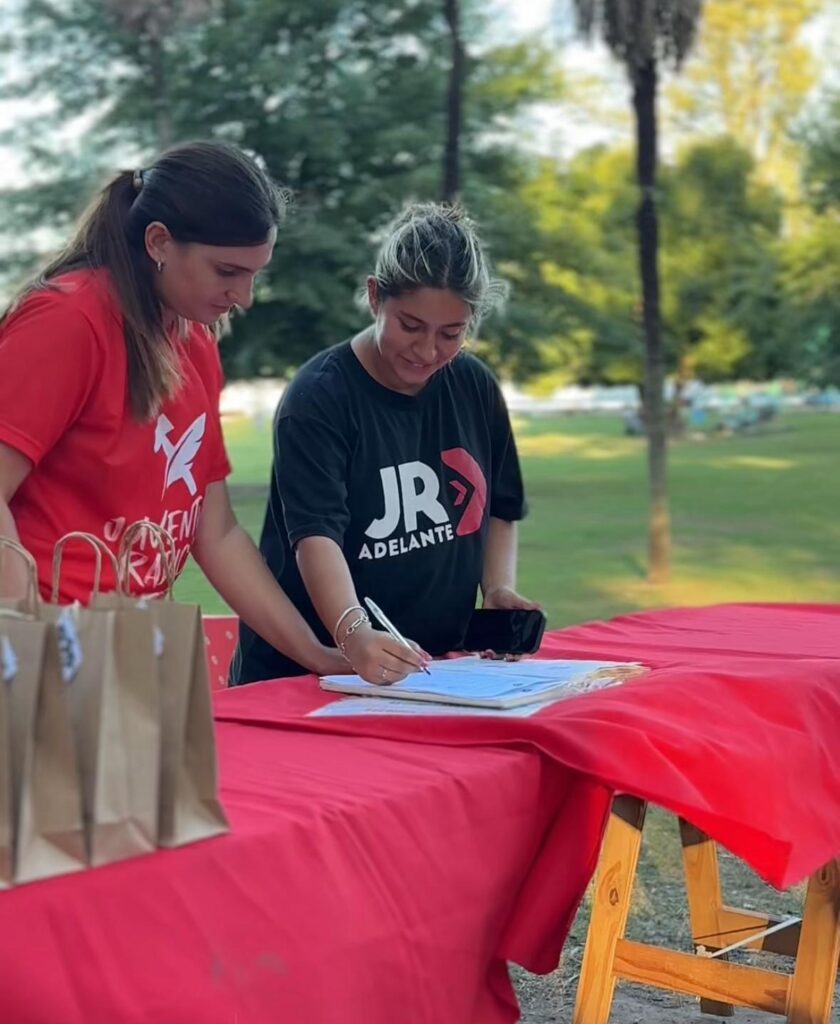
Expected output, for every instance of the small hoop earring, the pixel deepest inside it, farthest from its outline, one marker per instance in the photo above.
(159, 265)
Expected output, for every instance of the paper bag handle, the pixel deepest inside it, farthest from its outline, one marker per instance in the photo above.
(100, 548)
(31, 599)
(162, 539)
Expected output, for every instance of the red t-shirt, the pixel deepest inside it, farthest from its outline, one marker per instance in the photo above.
(64, 404)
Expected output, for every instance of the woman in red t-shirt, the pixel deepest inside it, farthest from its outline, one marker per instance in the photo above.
(110, 381)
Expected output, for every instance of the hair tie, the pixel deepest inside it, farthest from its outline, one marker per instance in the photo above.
(137, 180)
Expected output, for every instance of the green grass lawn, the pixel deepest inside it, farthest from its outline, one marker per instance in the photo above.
(754, 518)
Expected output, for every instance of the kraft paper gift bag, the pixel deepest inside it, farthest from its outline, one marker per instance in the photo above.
(116, 715)
(46, 799)
(8, 671)
(189, 803)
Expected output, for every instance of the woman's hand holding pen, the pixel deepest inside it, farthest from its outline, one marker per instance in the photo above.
(380, 659)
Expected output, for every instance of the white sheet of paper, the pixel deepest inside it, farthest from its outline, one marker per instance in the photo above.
(353, 706)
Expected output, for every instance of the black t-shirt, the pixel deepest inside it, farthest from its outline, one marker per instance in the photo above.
(404, 484)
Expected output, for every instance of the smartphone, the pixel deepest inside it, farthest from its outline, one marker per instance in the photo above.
(506, 632)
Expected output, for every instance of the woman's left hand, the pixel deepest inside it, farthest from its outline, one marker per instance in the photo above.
(508, 599)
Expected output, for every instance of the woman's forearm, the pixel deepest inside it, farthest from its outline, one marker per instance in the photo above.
(13, 573)
(231, 562)
(326, 575)
(14, 469)
(500, 556)
(237, 571)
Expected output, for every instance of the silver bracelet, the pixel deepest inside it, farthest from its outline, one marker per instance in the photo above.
(351, 629)
(343, 616)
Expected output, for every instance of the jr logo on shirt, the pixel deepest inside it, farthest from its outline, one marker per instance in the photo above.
(413, 510)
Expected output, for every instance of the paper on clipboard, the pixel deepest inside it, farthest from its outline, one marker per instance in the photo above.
(478, 682)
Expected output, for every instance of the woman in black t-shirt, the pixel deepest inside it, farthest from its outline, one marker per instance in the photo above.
(395, 471)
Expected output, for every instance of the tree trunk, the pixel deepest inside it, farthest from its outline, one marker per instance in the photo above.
(452, 154)
(160, 98)
(659, 530)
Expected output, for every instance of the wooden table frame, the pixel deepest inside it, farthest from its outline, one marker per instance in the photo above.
(803, 998)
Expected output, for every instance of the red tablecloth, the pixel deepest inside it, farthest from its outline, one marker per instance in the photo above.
(383, 869)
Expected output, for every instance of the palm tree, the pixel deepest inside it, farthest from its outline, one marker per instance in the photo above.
(643, 35)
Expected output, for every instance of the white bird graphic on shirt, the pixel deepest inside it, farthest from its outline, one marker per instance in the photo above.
(181, 455)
